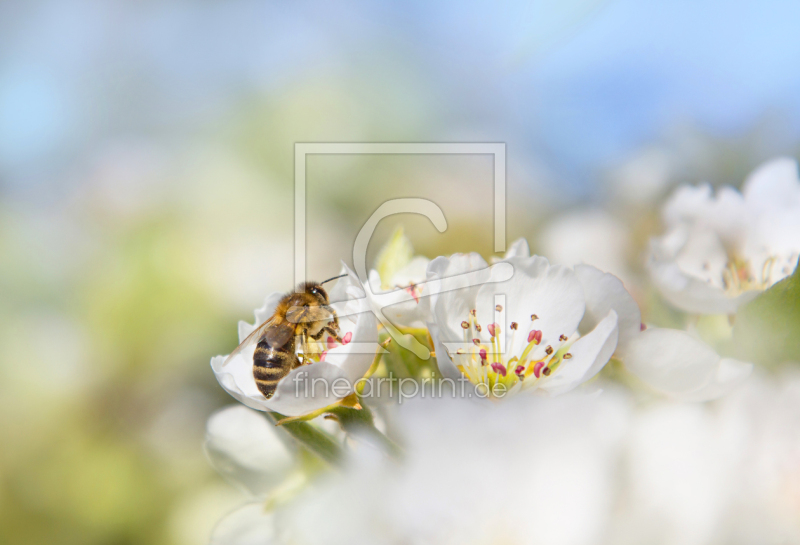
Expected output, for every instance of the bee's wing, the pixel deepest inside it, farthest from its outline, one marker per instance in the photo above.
(305, 315)
(277, 332)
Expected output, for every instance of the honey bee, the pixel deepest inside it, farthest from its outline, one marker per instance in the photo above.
(306, 313)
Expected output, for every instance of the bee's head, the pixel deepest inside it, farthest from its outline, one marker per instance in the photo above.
(317, 291)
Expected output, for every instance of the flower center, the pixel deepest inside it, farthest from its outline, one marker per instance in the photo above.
(414, 291)
(493, 363)
(738, 275)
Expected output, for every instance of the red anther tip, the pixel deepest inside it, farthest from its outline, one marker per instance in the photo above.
(537, 368)
(322, 356)
(331, 342)
(482, 352)
(520, 369)
(642, 326)
(347, 338)
(492, 329)
(535, 336)
(499, 368)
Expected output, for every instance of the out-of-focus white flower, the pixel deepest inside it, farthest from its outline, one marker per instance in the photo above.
(309, 387)
(591, 237)
(529, 471)
(571, 470)
(548, 328)
(722, 251)
(723, 473)
(677, 364)
(247, 450)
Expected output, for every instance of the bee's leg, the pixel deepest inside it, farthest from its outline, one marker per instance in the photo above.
(298, 361)
(304, 360)
(330, 331)
(335, 320)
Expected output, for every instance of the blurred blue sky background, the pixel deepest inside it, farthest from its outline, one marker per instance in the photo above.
(578, 84)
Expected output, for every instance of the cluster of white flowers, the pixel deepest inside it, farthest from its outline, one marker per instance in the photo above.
(601, 465)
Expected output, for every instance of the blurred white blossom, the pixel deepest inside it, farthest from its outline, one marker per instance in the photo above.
(722, 251)
(247, 450)
(577, 469)
(677, 364)
(532, 470)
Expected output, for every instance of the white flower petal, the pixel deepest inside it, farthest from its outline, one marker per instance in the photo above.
(413, 273)
(349, 283)
(605, 292)
(553, 293)
(244, 329)
(443, 361)
(519, 248)
(686, 265)
(402, 305)
(225, 377)
(730, 374)
(589, 355)
(248, 525)
(456, 294)
(674, 362)
(246, 449)
(697, 206)
(772, 186)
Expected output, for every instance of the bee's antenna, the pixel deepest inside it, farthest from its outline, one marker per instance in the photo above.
(334, 278)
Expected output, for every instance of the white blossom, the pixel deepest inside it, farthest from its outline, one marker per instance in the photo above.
(679, 365)
(247, 450)
(529, 471)
(572, 470)
(548, 328)
(721, 251)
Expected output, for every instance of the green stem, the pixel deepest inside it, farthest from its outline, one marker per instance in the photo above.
(314, 440)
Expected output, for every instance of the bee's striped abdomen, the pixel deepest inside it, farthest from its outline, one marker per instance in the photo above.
(270, 365)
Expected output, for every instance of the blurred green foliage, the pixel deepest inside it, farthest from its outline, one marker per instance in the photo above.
(767, 329)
